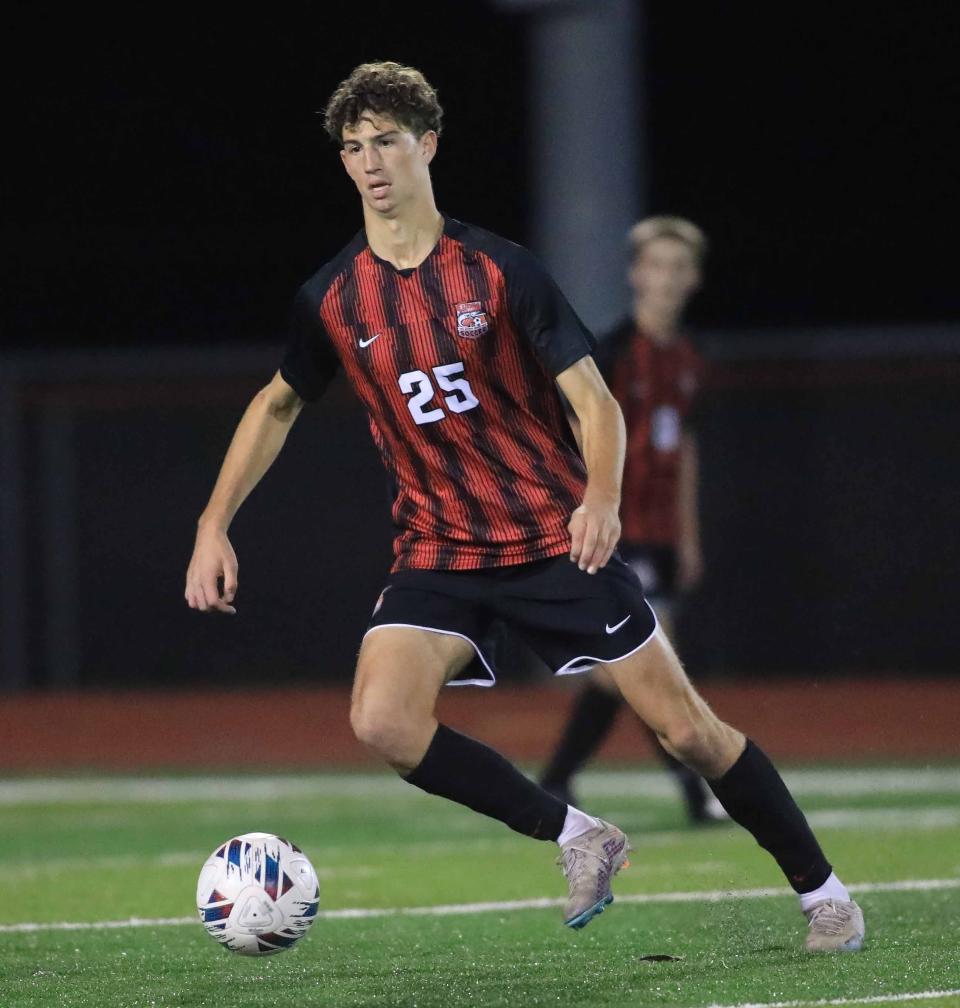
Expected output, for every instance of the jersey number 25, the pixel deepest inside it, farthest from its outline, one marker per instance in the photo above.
(461, 400)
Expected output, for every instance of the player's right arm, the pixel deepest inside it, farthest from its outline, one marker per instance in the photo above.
(256, 443)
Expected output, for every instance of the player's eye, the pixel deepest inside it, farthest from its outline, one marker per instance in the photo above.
(386, 143)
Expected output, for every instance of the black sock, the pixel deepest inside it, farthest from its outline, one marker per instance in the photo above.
(472, 774)
(754, 795)
(594, 711)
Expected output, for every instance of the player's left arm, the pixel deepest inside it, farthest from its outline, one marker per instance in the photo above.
(595, 525)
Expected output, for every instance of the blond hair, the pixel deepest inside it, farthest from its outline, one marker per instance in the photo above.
(678, 228)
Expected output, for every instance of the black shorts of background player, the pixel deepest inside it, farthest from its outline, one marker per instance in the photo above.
(655, 373)
(456, 341)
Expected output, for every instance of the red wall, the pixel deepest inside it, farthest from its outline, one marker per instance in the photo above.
(309, 729)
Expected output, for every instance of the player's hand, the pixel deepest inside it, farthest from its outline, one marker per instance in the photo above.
(594, 531)
(213, 559)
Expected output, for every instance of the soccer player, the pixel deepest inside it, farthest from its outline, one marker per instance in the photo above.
(654, 372)
(456, 341)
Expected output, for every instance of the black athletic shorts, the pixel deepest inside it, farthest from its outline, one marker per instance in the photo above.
(570, 618)
(656, 566)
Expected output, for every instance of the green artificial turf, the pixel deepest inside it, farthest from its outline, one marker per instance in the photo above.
(75, 860)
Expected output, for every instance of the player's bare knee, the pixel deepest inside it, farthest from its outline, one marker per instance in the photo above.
(705, 744)
(687, 740)
(728, 746)
(364, 727)
(377, 727)
(395, 734)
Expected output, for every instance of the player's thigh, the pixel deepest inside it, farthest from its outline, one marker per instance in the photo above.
(402, 669)
(603, 677)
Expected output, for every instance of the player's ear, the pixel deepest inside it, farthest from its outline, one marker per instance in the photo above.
(428, 145)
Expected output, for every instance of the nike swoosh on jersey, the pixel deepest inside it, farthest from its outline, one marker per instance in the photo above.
(367, 342)
(614, 629)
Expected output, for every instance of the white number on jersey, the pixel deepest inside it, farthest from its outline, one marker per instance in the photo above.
(462, 399)
(417, 380)
(665, 429)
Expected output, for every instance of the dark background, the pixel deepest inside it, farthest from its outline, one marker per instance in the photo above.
(172, 186)
(172, 181)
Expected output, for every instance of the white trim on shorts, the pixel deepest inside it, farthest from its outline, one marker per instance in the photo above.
(492, 681)
(570, 668)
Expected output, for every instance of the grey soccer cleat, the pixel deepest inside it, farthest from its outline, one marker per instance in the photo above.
(834, 926)
(589, 862)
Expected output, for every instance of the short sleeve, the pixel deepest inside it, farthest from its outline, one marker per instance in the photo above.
(542, 314)
(310, 361)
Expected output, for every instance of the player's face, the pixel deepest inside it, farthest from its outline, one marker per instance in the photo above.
(665, 272)
(388, 164)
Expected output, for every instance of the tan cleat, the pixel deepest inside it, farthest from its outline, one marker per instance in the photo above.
(589, 862)
(835, 926)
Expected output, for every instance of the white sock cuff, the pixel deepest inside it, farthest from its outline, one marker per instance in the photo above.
(575, 824)
(833, 889)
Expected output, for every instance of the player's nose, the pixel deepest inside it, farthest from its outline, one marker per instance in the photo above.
(371, 160)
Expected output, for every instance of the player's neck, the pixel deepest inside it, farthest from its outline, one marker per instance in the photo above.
(408, 238)
(661, 324)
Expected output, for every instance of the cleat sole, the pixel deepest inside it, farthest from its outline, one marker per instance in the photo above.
(854, 944)
(583, 919)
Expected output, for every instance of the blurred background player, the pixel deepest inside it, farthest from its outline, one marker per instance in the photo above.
(655, 373)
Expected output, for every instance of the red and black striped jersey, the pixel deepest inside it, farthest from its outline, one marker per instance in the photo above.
(455, 362)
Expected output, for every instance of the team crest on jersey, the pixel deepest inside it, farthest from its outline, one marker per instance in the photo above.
(471, 319)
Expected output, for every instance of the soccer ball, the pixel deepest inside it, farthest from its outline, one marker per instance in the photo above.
(257, 894)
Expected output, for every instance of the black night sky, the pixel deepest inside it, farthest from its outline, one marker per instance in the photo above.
(171, 181)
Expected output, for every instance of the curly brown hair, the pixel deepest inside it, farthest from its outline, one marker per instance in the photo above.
(388, 89)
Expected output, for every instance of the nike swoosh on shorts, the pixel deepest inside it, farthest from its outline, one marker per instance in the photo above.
(614, 629)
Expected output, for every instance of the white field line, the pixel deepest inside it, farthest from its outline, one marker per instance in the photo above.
(827, 782)
(503, 906)
(919, 818)
(854, 781)
(928, 817)
(173, 859)
(873, 999)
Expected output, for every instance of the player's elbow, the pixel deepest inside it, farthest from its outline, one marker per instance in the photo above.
(279, 401)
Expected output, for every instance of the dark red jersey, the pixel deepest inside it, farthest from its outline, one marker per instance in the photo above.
(455, 362)
(655, 386)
